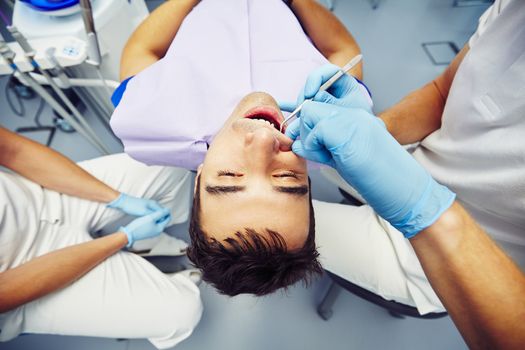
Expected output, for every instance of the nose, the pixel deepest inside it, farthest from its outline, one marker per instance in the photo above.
(260, 146)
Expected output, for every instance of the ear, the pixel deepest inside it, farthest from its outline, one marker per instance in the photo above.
(199, 170)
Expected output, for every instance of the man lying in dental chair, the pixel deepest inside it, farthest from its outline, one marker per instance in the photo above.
(253, 228)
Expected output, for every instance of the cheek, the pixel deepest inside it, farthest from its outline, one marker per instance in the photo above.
(223, 145)
(220, 157)
(291, 158)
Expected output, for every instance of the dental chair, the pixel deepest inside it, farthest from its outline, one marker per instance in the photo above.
(338, 284)
(395, 309)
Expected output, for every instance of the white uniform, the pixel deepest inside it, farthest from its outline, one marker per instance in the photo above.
(124, 296)
(479, 152)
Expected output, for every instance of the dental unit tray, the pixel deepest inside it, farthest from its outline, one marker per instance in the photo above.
(70, 51)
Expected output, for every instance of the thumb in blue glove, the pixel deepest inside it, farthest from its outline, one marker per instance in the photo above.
(347, 91)
(147, 226)
(135, 206)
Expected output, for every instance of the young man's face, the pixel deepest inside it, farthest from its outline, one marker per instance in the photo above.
(251, 179)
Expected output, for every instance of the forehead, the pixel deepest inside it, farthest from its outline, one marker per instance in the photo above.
(224, 215)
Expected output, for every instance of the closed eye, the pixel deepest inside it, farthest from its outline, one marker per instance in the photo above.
(288, 174)
(228, 173)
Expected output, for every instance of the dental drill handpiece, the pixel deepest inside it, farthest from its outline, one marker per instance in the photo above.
(93, 47)
(351, 64)
(7, 54)
(94, 55)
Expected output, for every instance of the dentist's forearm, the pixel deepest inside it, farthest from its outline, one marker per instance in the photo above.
(419, 113)
(55, 270)
(153, 37)
(328, 34)
(481, 287)
(416, 116)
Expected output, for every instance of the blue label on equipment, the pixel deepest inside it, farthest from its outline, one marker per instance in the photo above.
(70, 51)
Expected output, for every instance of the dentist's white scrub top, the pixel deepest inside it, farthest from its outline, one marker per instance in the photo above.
(479, 151)
(122, 297)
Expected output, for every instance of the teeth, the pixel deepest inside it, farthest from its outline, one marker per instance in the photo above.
(266, 121)
(263, 120)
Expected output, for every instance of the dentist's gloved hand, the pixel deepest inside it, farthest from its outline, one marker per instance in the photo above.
(345, 92)
(357, 144)
(147, 226)
(135, 206)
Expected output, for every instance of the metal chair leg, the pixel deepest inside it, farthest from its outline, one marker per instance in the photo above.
(50, 129)
(325, 307)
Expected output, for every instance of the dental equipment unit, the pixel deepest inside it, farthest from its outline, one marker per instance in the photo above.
(75, 46)
(79, 123)
(22, 72)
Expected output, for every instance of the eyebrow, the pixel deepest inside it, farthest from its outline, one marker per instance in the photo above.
(218, 190)
(295, 190)
(292, 190)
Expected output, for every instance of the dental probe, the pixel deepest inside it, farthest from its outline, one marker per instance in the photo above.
(94, 52)
(351, 64)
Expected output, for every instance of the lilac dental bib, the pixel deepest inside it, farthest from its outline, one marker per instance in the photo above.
(224, 50)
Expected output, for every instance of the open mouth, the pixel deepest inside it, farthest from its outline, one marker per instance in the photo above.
(265, 114)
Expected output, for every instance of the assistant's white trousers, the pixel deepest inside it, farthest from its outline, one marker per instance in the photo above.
(125, 296)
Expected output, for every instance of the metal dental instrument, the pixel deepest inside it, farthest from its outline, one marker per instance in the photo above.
(30, 55)
(95, 58)
(9, 55)
(93, 46)
(351, 64)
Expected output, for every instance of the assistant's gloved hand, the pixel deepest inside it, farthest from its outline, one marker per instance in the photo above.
(358, 145)
(347, 91)
(147, 226)
(135, 206)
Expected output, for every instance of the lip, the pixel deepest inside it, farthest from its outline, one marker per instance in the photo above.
(266, 112)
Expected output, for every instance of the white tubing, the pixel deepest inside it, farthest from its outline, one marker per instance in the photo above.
(60, 110)
(81, 82)
(75, 112)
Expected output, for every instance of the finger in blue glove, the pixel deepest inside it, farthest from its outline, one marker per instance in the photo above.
(287, 106)
(147, 226)
(135, 206)
(347, 91)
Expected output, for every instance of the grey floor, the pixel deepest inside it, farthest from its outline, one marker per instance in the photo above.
(395, 63)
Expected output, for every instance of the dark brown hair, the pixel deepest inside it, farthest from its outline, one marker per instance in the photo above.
(251, 262)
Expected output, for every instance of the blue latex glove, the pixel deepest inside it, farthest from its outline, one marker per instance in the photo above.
(357, 144)
(345, 92)
(147, 226)
(135, 206)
